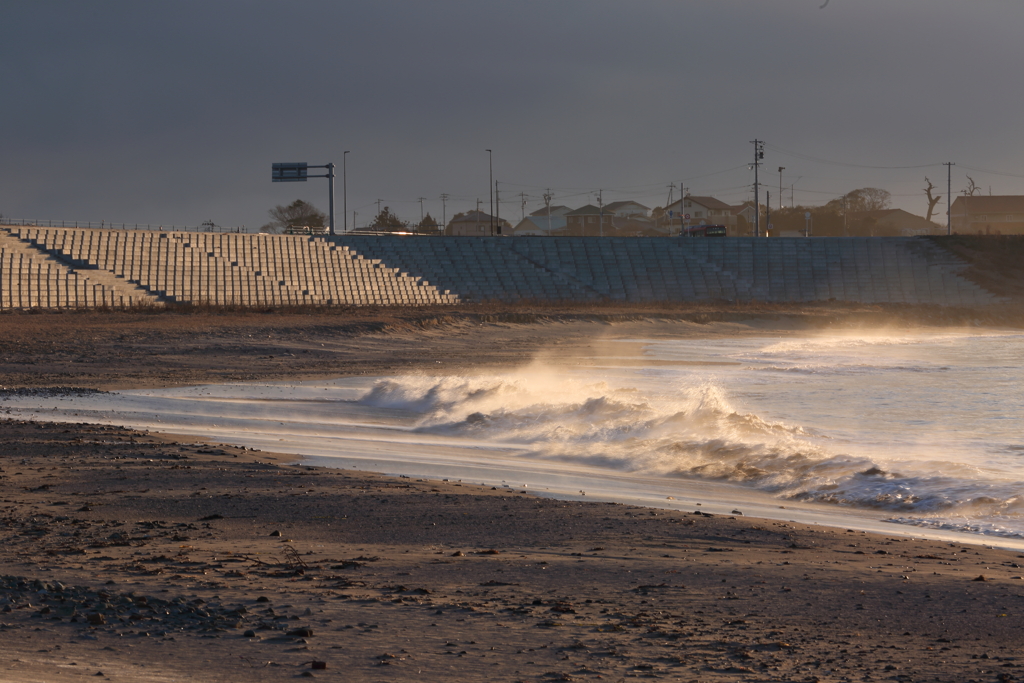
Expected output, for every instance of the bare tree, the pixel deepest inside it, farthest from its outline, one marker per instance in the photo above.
(972, 187)
(932, 200)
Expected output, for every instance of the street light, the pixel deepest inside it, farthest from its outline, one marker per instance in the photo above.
(490, 186)
(344, 192)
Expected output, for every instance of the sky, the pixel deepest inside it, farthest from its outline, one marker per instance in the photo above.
(173, 112)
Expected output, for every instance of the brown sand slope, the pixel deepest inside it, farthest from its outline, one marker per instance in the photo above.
(996, 262)
(145, 559)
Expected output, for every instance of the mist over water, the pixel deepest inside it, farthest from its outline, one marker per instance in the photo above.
(926, 428)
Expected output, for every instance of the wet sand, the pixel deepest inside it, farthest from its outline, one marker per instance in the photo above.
(179, 560)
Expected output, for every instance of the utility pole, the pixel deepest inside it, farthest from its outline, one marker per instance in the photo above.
(522, 207)
(421, 209)
(949, 192)
(758, 156)
(378, 207)
(444, 211)
(682, 199)
(330, 182)
(600, 213)
(781, 169)
(497, 201)
(547, 203)
(344, 191)
(490, 186)
(846, 232)
(768, 213)
(672, 190)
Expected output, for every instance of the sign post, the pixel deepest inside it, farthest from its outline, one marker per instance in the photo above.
(297, 172)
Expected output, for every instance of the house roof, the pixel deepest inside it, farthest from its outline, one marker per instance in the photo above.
(706, 202)
(585, 210)
(618, 205)
(556, 210)
(996, 204)
(710, 202)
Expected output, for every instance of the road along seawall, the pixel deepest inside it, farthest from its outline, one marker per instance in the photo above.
(81, 267)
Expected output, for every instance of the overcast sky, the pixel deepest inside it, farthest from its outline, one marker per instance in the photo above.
(172, 112)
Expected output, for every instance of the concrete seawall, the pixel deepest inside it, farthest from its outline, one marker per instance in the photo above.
(80, 267)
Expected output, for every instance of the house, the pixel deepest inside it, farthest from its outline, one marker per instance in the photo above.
(477, 224)
(586, 220)
(743, 219)
(992, 215)
(703, 211)
(591, 220)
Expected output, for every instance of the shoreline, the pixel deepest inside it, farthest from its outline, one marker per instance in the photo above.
(546, 479)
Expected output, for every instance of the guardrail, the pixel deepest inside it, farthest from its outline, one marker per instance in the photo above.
(35, 223)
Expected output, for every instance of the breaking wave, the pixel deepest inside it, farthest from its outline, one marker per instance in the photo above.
(692, 431)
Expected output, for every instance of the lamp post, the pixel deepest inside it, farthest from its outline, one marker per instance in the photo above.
(330, 185)
(344, 191)
(490, 185)
(781, 169)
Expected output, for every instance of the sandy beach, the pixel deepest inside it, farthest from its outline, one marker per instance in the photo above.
(142, 557)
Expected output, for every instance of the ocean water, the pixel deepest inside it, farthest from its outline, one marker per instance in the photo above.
(925, 428)
(880, 431)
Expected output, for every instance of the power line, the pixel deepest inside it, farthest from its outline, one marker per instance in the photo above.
(983, 170)
(819, 160)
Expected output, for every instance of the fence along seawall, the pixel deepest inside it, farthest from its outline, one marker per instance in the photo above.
(52, 267)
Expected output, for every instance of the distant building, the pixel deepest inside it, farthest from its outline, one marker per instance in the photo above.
(585, 220)
(477, 224)
(992, 215)
(591, 220)
(743, 219)
(692, 210)
(538, 223)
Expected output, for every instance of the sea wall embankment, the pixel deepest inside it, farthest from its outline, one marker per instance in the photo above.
(81, 267)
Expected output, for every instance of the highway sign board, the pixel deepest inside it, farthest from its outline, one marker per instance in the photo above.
(289, 172)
